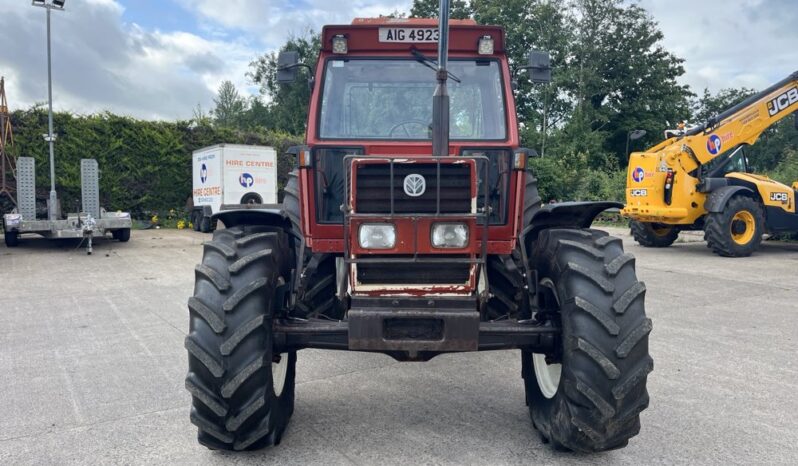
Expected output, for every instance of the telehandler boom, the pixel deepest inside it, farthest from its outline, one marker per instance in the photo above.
(698, 179)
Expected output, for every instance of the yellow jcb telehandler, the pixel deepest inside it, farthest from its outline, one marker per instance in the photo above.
(698, 179)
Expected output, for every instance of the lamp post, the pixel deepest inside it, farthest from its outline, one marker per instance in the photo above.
(633, 135)
(52, 207)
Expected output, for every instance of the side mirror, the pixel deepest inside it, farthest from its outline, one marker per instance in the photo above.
(287, 63)
(521, 156)
(539, 66)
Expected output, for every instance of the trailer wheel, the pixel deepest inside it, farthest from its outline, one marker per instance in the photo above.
(123, 235)
(12, 239)
(737, 230)
(587, 395)
(653, 235)
(205, 224)
(242, 391)
(195, 220)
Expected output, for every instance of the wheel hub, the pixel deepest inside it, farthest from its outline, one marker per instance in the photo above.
(279, 373)
(548, 372)
(743, 227)
(547, 375)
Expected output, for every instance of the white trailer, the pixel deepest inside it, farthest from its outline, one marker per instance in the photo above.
(231, 174)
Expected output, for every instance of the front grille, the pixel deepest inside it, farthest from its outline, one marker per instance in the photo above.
(374, 185)
(412, 273)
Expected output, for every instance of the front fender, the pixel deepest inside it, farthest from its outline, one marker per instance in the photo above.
(717, 199)
(566, 215)
(253, 214)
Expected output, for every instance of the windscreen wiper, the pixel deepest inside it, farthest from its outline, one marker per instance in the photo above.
(430, 63)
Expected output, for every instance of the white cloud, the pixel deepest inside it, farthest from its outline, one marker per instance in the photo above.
(273, 20)
(100, 63)
(730, 43)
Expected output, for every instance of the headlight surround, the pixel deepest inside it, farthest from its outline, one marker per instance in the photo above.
(449, 235)
(377, 236)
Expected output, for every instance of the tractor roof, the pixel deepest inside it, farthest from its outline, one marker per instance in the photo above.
(363, 35)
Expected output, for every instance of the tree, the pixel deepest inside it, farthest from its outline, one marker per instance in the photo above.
(230, 106)
(534, 25)
(709, 105)
(459, 9)
(288, 103)
(620, 78)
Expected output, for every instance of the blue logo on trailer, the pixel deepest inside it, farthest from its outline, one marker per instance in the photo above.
(203, 173)
(713, 144)
(638, 174)
(246, 180)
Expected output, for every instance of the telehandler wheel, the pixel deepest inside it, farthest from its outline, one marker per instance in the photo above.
(242, 393)
(123, 235)
(653, 235)
(12, 239)
(738, 230)
(587, 395)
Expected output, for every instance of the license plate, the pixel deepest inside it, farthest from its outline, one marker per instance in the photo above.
(409, 35)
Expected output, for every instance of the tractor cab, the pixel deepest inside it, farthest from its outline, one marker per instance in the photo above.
(408, 221)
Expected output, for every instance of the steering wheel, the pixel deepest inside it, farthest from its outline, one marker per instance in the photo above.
(404, 124)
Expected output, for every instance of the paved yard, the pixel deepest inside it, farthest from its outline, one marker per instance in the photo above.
(92, 366)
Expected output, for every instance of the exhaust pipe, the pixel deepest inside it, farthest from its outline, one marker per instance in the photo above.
(440, 100)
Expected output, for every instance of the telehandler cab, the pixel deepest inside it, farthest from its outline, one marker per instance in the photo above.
(697, 179)
(412, 227)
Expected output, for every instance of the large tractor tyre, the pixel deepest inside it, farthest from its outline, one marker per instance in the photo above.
(12, 239)
(291, 202)
(242, 393)
(737, 230)
(588, 394)
(317, 298)
(123, 235)
(653, 235)
(532, 201)
(505, 275)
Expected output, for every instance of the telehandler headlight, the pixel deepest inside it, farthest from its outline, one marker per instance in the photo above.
(485, 45)
(377, 236)
(449, 235)
(339, 44)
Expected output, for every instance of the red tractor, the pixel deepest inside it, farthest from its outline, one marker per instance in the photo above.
(411, 226)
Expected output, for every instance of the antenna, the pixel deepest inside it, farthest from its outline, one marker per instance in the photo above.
(440, 101)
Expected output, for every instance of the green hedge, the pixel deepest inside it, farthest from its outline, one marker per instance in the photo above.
(145, 166)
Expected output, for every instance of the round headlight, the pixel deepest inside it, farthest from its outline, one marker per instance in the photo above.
(377, 236)
(449, 235)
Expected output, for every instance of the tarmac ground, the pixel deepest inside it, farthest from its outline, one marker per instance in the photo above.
(92, 367)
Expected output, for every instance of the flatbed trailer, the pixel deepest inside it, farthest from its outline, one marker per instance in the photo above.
(92, 222)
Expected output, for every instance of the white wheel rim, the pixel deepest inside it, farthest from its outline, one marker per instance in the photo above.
(547, 375)
(279, 374)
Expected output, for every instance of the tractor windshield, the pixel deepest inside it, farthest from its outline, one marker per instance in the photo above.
(391, 99)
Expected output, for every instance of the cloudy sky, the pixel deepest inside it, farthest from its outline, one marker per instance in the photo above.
(160, 58)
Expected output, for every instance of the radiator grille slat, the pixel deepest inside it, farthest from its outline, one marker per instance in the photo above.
(374, 185)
